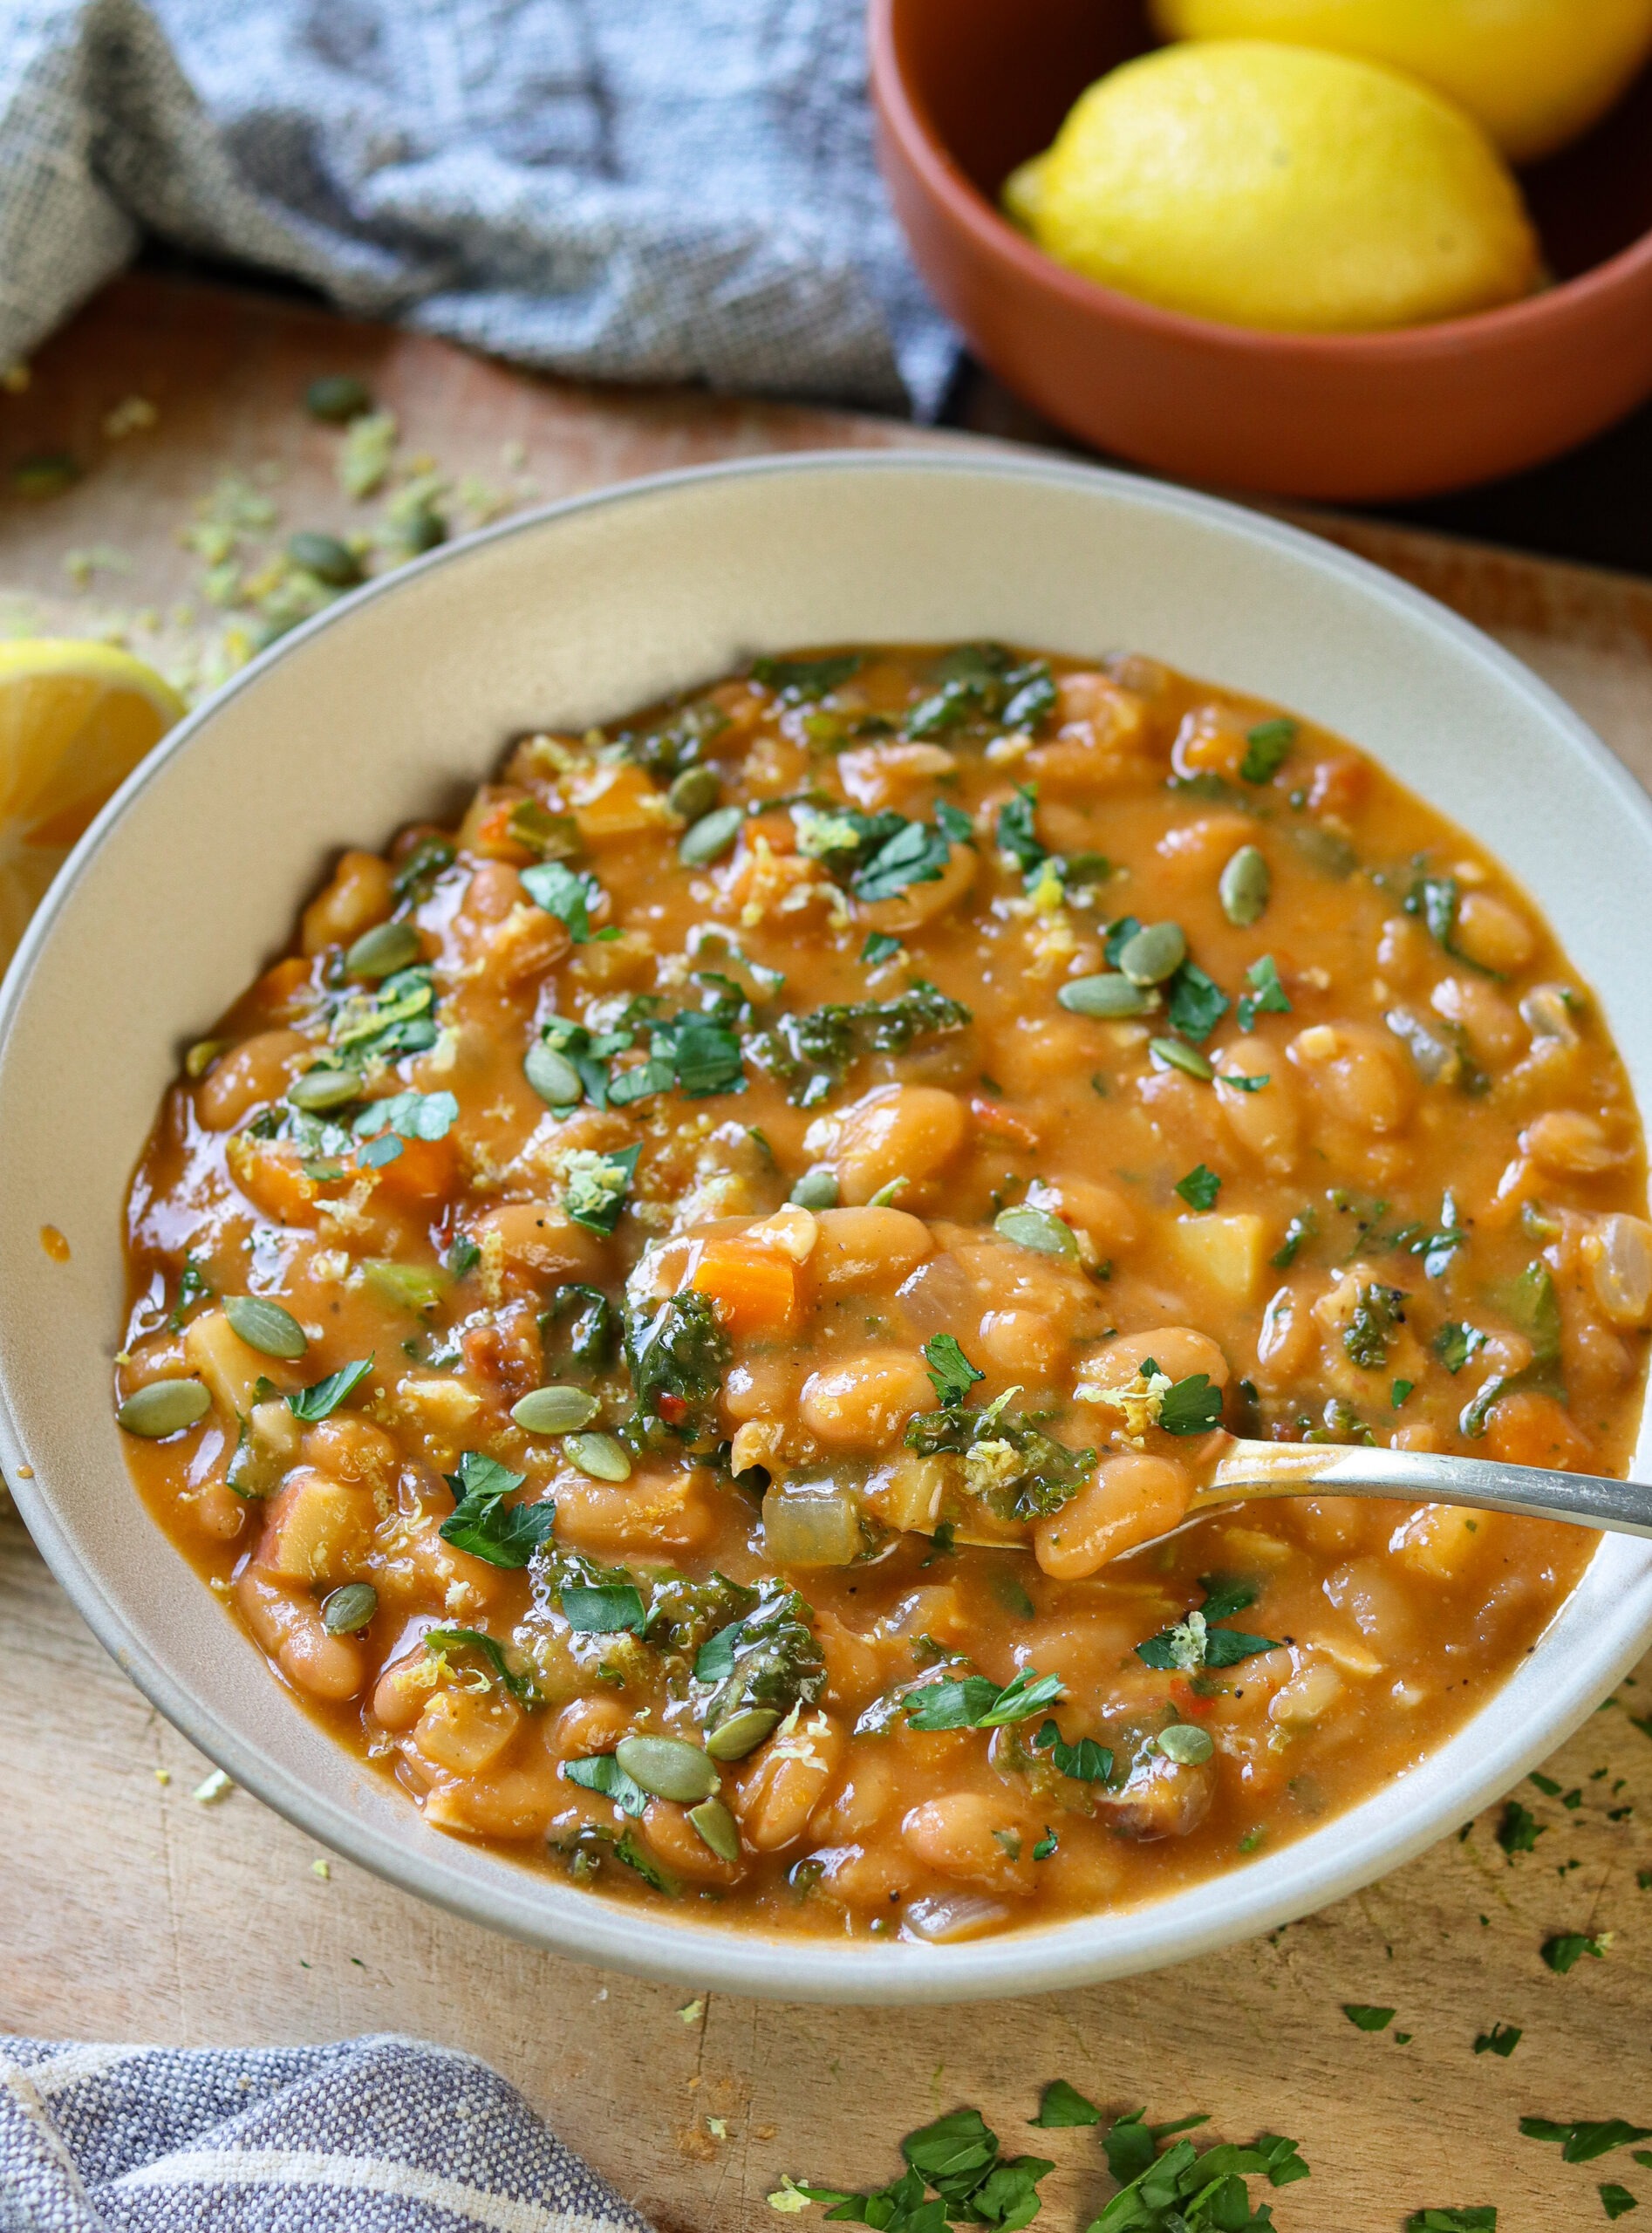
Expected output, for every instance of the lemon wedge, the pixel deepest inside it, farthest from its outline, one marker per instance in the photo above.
(1280, 186)
(75, 720)
(1534, 73)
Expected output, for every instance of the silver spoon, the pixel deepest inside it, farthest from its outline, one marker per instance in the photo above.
(1247, 1470)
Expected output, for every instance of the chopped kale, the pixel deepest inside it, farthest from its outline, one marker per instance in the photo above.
(1020, 1471)
(587, 1324)
(1017, 833)
(805, 680)
(483, 1524)
(1456, 1343)
(767, 1659)
(918, 853)
(684, 1614)
(569, 895)
(1437, 900)
(678, 1355)
(1370, 1330)
(811, 1054)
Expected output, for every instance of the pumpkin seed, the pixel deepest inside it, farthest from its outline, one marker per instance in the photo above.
(1188, 1746)
(711, 837)
(422, 531)
(1039, 1229)
(552, 1076)
(1245, 886)
(695, 792)
(1154, 953)
(164, 1407)
(717, 1828)
(349, 1608)
(265, 1326)
(1325, 850)
(816, 1190)
(325, 556)
(383, 950)
(599, 1455)
(1181, 1056)
(555, 1410)
(668, 1767)
(324, 1088)
(337, 398)
(1109, 994)
(201, 1056)
(742, 1733)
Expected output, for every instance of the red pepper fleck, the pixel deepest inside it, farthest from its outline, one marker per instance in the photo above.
(672, 1409)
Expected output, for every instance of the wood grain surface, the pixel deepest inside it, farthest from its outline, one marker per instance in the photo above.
(129, 1910)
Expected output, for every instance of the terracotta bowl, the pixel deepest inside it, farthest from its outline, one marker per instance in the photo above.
(967, 89)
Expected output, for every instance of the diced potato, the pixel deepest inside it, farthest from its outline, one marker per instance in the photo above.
(440, 1403)
(1231, 1253)
(317, 1530)
(466, 1731)
(619, 801)
(230, 1368)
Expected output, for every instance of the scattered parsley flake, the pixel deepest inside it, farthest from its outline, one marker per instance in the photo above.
(1200, 1187)
(1266, 750)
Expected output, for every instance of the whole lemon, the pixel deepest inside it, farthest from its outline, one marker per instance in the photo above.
(1279, 187)
(1535, 72)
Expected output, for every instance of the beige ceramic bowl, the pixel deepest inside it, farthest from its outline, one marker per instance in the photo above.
(390, 706)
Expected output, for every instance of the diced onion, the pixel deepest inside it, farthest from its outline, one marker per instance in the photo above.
(806, 1523)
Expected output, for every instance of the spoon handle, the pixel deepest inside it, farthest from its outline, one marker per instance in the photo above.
(1295, 1469)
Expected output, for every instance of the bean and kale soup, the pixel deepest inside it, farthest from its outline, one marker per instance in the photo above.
(685, 1314)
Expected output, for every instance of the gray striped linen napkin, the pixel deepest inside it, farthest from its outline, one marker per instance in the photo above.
(381, 2134)
(614, 189)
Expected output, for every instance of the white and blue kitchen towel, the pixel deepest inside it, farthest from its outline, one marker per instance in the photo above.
(616, 189)
(374, 2135)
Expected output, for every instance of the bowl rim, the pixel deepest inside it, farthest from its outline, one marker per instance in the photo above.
(905, 115)
(573, 1925)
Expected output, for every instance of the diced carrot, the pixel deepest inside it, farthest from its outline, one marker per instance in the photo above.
(424, 1171)
(492, 838)
(754, 1289)
(1528, 1429)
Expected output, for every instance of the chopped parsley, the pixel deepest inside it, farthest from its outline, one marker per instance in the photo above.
(1195, 1642)
(601, 1773)
(1437, 900)
(193, 1288)
(1478, 2218)
(879, 947)
(1267, 996)
(984, 682)
(1401, 1393)
(380, 1023)
(598, 1601)
(974, 1702)
(383, 1125)
(1456, 1343)
(1302, 1228)
(951, 1373)
(1190, 1406)
(322, 1398)
(972, 2184)
(1086, 1762)
(811, 1054)
(1583, 2142)
(1565, 1950)
(918, 853)
(1364, 2017)
(805, 680)
(483, 1524)
(1185, 2191)
(1502, 2039)
(1200, 1188)
(1063, 2105)
(1616, 2201)
(415, 876)
(1531, 1302)
(1017, 831)
(1197, 1003)
(595, 1186)
(1378, 1313)
(569, 895)
(1266, 750)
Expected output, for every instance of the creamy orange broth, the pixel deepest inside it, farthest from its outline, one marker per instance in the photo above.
(1411, 1210)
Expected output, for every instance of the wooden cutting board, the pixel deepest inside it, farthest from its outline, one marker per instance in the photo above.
(129, 1910)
